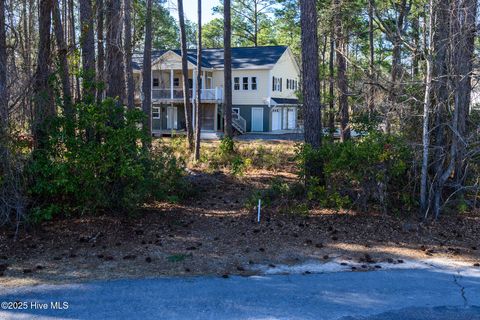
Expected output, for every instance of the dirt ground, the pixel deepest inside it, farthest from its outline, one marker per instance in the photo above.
(214, 233)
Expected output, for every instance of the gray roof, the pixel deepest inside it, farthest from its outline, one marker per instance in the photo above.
(243, 57)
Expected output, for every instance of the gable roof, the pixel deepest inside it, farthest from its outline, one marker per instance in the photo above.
(242, 58)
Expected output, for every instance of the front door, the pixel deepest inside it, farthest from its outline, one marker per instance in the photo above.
(171, 118)
(257, 119)
(276, 119)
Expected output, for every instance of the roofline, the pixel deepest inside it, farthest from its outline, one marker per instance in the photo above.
(295, 62)
(262, 67)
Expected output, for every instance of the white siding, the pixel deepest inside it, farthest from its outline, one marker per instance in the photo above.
(285, 68)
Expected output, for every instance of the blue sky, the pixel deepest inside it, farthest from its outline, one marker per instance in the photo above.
(190, 8)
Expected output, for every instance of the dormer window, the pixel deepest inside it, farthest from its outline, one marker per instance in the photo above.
(156, 82)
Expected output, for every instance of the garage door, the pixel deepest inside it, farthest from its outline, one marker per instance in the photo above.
(257, 119)
(291, 118)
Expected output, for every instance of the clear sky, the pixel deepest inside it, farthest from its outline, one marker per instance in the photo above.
(190, 8)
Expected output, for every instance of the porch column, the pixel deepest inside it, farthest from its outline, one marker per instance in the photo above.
(281, 118)
(215, 118)
(286, 108)
(171, 84)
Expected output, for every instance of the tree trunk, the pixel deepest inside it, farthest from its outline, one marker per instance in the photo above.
(43, 106)
(73, 45)
(186, 87)
(114, 62)
(3, 82)
(416, 44)
(128, 54)
(311, 84)
(342, 82)
(100, 51)
(198, 108)
(227, 76)
(63, 65)
(371, 93)
(467, 32)
(147, 75)
(424, 194)
(87, 43)
(331, 88)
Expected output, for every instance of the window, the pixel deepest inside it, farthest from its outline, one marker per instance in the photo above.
(236, 83)
(156, 82)
(190, 83)
(288, 83)
(273, 84)
(277, 84)
(254, 83)
(155, 113)
(236, 110)
(245, 83)
(176, 82)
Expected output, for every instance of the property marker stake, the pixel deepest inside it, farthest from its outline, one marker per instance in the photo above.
(259, 209)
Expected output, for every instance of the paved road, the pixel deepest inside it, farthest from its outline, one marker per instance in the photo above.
(393, 294)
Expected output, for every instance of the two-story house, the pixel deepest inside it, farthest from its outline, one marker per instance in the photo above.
(265, 81)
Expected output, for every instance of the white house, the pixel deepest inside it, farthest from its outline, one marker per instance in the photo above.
(265, 81)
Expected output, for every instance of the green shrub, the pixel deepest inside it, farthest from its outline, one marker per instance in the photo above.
(369, 170)
(227, 146)
(110, 171)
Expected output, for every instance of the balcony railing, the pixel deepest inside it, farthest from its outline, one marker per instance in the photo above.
(177, 94)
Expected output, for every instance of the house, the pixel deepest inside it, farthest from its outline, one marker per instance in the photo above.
(265, 81)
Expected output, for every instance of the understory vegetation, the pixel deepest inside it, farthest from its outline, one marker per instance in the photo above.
(97, 163)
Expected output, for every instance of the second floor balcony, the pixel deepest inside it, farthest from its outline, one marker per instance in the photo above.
(213, 94)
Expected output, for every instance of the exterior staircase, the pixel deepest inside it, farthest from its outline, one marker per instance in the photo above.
(239, 123)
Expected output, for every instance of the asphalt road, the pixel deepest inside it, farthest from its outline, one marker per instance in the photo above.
(392, 294)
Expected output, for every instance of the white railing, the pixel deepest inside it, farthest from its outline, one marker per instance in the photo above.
(239, 122)
(177, 94)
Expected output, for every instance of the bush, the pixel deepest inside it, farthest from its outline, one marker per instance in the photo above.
(101, 167)
(226, 156)
(373, 169)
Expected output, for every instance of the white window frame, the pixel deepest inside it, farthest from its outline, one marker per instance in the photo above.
(153, 82)
(236, 110)
(245, 84)
(156, 112)
(235, 83)
(253, 83)
(277, 84)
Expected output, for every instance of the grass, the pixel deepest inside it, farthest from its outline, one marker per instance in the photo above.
(259, 154)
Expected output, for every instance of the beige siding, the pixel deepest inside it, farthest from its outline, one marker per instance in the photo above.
(247, 97)
(285, 68)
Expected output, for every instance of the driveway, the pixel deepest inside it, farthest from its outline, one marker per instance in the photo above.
(265, 136)
(389, 294)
